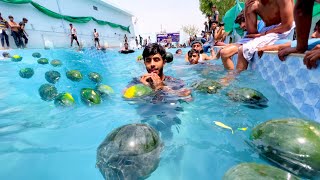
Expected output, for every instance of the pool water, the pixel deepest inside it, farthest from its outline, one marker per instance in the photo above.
(40, 141)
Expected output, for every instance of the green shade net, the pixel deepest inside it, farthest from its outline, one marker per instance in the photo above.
(17, 1)
(72, 19)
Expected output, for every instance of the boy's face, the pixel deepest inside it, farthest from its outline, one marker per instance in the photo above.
(197, 46)
(214, 25)
(194, 58)
(243, 25)
(154, 64)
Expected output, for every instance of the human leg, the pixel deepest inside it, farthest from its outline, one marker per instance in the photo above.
(71, 40)
(242, 63)
(6, 38)
(226, 53)
(15, 36)
(21, 43)
(25, 39)
(2, 38)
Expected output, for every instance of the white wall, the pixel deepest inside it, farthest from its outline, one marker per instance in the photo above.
(42, 28)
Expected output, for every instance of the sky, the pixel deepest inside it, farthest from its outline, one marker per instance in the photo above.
(171, 14)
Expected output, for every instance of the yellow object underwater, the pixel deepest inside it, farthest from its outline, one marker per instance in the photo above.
(242, 129)
(136, 91)
(16, 56)
(223, 125)
(130, 92)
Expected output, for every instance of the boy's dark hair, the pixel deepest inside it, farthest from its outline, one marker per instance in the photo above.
(317, 25)
(178, 50)
(192, 51)
(153, 49)
(215, 22)
(240, 18)
(10, 17)
(24, 19)
(70, 24)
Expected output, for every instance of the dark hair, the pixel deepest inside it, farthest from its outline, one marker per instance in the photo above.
(240, 18)
(192, 51)
(10, 17)
(221, 23)
(317, 25)
(216, 22)
(24, 19)
(70, 24)
(94, 29)
(153, 49)
(178, 51)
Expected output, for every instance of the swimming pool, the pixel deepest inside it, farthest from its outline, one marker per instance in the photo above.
(40, 141)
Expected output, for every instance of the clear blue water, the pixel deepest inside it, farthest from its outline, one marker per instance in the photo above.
(40, 141)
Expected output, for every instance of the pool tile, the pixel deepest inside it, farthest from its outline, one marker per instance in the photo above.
(281, 88)
(290, 83)
(308, 110)
(288, 97)
(312, 91)
(283, 70)
(303, 76)
(298, 96)
(275, 77)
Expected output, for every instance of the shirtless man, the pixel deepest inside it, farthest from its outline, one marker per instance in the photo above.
(197, 45)
(73, 35)
(303, 17)
(96, 38)
(278, 18)
(15, 32)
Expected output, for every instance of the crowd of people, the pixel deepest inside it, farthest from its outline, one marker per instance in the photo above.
(17, 31)
(279, 19)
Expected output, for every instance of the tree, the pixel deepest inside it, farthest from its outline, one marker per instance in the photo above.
(222, 6)
(191, 30)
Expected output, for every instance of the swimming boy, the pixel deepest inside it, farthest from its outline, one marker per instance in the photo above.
(162, 112)
(193, 56)
(197, 45)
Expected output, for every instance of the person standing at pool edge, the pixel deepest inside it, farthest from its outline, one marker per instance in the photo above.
(96, 38)
(22, 31)
(3, 35)
(15, 32)
(73, 35)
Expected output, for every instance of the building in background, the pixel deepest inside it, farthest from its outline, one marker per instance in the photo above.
(46, 28)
